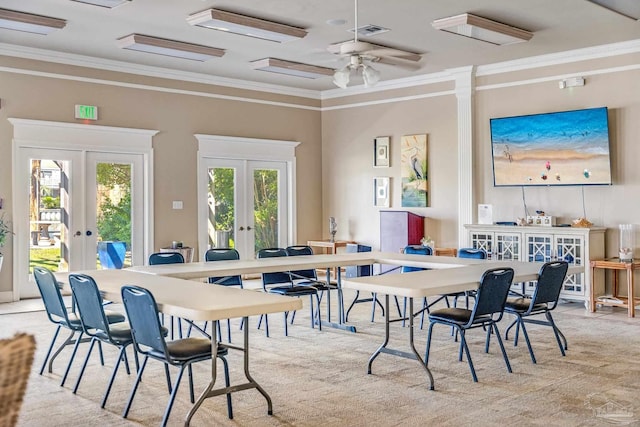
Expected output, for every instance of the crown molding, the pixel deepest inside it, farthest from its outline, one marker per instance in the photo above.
(150, 71)
(423, 79)
(558, 58)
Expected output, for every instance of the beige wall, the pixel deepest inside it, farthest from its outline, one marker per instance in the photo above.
(178, 117)
(348, 171)
(604, 205)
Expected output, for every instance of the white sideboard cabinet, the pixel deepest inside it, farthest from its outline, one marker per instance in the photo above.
(542, 244)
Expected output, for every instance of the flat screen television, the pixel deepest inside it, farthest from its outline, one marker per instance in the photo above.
(561, 148)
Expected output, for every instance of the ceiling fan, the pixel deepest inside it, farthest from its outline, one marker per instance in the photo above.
(360, 53)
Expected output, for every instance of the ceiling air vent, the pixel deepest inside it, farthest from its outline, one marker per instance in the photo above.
(369, 30)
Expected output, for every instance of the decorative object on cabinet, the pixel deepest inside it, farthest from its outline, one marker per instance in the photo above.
(414, 171)
(397, 230)
(333, 228)
(543, 244)
(627, 242)
(485, 214)
(543, 220)
(381, 191)
(381, 152)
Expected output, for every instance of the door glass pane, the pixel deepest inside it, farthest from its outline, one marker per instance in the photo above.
(265, 208)
(113, 215)
(222, 212)
(48, 215)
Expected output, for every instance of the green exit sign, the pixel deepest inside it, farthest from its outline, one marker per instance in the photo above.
(87, 112)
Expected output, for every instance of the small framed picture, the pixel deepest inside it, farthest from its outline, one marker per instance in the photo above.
(381, 152)
(381, 191)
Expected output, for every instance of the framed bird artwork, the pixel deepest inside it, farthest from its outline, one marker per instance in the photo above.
(414, 171)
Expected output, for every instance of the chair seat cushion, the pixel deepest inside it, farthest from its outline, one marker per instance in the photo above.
(190, 348)
(522, 305)
(114, 316)
(451, 315)
(294, 290)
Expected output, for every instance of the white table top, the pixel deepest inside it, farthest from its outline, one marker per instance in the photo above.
(189, 299)
(443, 281)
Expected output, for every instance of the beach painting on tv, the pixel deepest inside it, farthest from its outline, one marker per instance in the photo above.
(563, 148)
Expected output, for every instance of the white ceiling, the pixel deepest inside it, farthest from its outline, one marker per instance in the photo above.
(558, 25)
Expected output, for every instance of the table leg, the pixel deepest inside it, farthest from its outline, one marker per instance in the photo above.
(209, 392)
(592, 296)
(341, 322)
(414, 353)
(631, 302)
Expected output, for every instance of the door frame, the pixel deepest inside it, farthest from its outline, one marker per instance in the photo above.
(246, 149)
(82, 138)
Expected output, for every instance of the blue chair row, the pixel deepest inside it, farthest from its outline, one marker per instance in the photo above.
(492, 301)
(143, 330)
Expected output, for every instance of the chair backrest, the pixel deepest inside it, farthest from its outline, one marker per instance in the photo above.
(418, 250)
(472, 253)
(550, 280)
(493, 291)
(142, 312)
(278, 277)
(309, 274)
(165, 258)
(51, 296)
(89, 303)
(223, 254)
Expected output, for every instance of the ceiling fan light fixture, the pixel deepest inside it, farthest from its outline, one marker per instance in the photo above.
(246, 25)
(342, 76)
(483, 29)
(29, 23)
(370, 75)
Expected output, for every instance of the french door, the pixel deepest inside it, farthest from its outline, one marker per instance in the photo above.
(81, 196)
(247, 205)
(76, 202)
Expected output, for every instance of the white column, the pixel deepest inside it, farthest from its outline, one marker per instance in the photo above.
(465, 88)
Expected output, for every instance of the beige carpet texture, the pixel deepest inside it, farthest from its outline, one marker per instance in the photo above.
(319, 378)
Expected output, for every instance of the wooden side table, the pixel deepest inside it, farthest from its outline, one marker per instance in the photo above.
(186, 252)
(329, 247)
(446, 252)
(614, 264)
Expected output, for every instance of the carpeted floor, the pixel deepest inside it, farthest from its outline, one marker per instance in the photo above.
(319, 378)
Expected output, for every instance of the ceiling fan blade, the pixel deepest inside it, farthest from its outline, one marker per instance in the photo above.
(397, 62)
(395, 53)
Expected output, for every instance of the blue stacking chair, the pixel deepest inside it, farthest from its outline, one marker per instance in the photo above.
(224, 254)
(158, 258)
(487, 312)
(96, 325)
(149, 341)
(59, 315)
(471, 253)
(310, 277)
(543, 301)
(281, 283)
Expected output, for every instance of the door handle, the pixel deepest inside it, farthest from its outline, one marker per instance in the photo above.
(88, 233)
(78, 233)
(248, 227)
(241, 228)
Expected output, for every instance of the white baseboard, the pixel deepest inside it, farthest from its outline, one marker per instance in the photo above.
(6, 296)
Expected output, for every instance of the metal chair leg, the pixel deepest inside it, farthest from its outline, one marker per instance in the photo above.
(127, 407)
